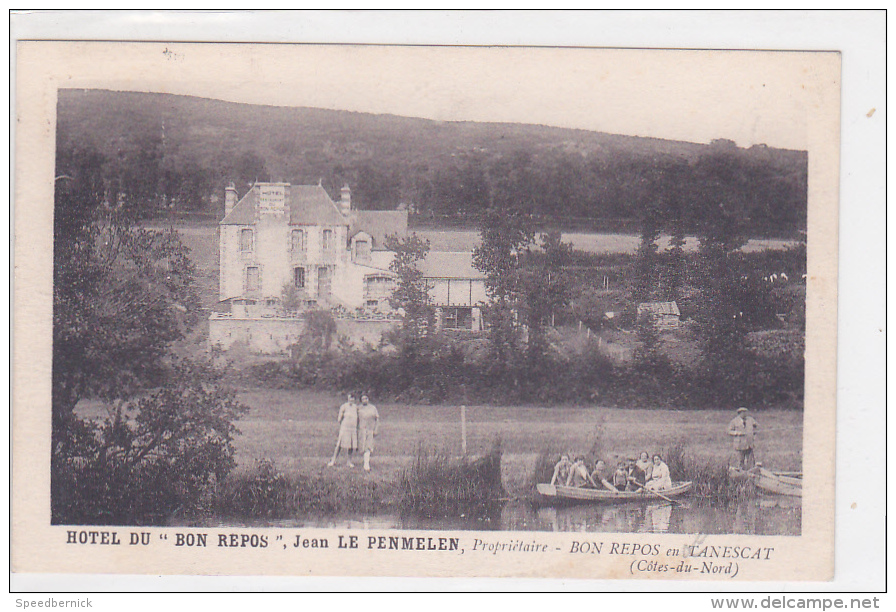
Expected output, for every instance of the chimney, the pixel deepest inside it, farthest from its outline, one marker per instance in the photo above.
(345, 200)
(229, 198)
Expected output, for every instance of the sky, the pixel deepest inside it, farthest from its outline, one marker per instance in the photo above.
(697, 96)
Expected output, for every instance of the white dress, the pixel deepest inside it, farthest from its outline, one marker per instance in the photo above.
(660, 479)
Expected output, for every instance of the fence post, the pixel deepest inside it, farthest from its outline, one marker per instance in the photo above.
(463, 430)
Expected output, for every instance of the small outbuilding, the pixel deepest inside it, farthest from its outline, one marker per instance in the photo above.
(665, 315)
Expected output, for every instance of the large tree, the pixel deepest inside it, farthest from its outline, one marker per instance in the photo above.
(411, 293)
(545, 288)
(504, 238)
(121, 295)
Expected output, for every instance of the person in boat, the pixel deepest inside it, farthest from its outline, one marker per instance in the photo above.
(743, 429)
(635, 476)
(561, 470)
(643, 467)
(620, 477)
(578, 474)
(600, 477)
(660, 478)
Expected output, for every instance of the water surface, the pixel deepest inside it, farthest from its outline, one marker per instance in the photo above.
(760, 516)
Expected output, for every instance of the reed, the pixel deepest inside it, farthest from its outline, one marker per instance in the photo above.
(712, 483)
(437, 484)
(266, 492)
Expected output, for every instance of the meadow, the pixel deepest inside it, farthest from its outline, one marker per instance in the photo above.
(296, 431)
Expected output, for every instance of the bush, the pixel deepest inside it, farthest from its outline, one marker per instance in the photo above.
(152, 458)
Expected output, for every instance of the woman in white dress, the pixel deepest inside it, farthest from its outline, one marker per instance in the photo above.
(660, 478)
(348, 430)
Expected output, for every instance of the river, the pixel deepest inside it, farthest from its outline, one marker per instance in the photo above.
(770, 515)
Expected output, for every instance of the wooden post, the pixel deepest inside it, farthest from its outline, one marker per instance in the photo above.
(463, 430)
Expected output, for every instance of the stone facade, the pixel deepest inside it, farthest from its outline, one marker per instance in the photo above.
(285, 249)
(282, 235)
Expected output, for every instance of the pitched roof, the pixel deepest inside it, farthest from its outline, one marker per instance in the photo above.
(443, 264)
(307, 204)
(659, 308)
(379, 224)
(311, 204)
(244, 212)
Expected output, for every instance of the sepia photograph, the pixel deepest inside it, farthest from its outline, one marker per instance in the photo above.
(501, 326)
(487, 301)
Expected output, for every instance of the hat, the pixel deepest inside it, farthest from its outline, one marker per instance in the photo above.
(741, 409)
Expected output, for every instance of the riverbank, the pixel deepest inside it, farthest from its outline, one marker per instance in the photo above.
(293, 431)
(296, 429)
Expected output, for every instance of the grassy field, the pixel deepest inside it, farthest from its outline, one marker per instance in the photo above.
(466, 240)
(297, 429)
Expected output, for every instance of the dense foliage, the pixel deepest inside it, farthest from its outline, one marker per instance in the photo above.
(176, 151)
(121, 296)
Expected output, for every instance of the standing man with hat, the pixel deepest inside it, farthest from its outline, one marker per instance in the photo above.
(742, 429)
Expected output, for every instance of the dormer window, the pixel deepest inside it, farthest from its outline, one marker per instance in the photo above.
(297, 240)
(362, 251)
(247, 240)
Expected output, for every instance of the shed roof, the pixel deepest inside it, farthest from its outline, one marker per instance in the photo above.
(659, 308)
(443, 264)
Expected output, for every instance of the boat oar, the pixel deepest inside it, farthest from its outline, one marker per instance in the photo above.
(658, 494)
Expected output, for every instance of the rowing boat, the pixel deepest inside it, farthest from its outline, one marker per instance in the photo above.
(779, 483)
(604, 495)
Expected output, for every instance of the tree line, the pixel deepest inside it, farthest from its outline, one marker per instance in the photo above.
(176, 152)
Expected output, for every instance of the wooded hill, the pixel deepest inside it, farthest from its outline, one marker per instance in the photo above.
(168, 151)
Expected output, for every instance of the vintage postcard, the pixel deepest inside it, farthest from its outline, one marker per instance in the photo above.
(335, 310)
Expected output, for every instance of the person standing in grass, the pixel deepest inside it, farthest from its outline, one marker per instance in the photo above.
(368, 423)
(348, 430)
(743, 429)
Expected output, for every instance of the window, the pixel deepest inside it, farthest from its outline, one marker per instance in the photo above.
(373, 303)
(297, 240)
(323, 281)
(362, 250)
(378, 287)
(246, 241)
(253, 279)
(298, 278)
(458, 318)
(327, 243)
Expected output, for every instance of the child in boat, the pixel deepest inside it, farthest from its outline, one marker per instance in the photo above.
(601, 475)
(561, 470)
(620, 477)
(578, 474)
(660, 478)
